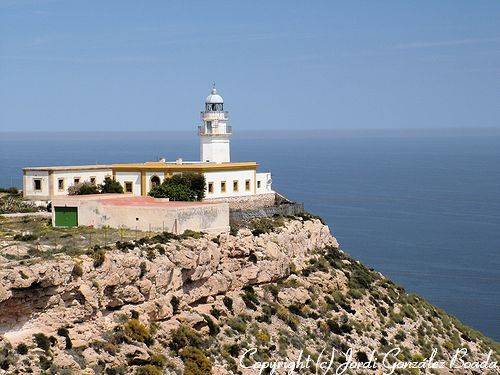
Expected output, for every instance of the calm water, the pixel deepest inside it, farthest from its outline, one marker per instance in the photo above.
(424, 211)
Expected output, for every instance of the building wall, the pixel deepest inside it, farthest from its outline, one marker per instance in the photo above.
(134, 177)
(213, 218)
(84, 176)
(214, 149)
(250, 202)
(160, 174)
(229, 176)
(29, 191)
(264, 183)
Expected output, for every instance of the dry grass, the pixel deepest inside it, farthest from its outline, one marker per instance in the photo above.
(45, 238)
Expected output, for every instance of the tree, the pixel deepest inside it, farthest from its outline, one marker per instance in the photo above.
(111, 186)
(181, 187)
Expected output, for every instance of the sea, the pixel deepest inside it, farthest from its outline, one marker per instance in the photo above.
(421, 207)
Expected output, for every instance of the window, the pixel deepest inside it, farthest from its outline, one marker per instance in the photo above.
(223, 186)
(128, 187)
(235, 185)
(247, 185)
(60, 184)
(155, 181)
(76, 180)
(37, 184)
(210, 187)
(258, 184)
(92, 180)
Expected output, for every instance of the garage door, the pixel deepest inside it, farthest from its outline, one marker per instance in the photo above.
(66, 216)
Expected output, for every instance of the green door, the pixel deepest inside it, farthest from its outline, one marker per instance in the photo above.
(66, 216)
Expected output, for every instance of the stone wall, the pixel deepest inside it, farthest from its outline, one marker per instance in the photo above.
(248, 202)
(237, 217)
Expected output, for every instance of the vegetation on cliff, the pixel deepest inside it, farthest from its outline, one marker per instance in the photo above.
(169, 304)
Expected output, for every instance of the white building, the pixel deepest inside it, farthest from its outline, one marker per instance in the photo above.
(225, 180)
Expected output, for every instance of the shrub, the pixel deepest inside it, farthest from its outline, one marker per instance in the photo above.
(148, 370)
(400, 336)
(233, 230)
(262, 337)
(25, 237)
(143, 269)
(228, 302)
(99, 257)
(360, 277)
(337, 328)
(195, 362)
(22, 349)
(11, 190)
(273, 289)
(212, 327)
(175, 301)
(158, 360)
(62, 331)
(267, 312)
(111, 186)
(291, 320)
(137, 331)
(181, 187)
(238, 324)
(77, 271)
(42, 341)
(185, 336)
(83, 188)
(215, 312)
(250, 297)
(266, 225)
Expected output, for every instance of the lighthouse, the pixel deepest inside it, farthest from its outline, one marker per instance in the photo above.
(215, 130)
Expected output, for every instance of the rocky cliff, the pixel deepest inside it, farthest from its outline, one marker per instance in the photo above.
(197, 304)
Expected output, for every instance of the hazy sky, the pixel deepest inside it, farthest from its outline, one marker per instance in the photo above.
(148, 65)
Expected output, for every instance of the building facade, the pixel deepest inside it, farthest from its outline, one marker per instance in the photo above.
(224, 178)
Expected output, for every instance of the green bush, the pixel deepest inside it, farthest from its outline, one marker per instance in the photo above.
(42, 341)
(110, 186)
(22, 349)
(195, 362)
(250, 297)
(25, 237)
(175, 301)
(188, 186)
(83, 188)
(185, 336)
(148, 370)
(212, 327)
(77, 271)
(137, 331)
(238, 324)
(143, 269)
(11, 190)
(228, 302)
(62, 331)
(266, 225)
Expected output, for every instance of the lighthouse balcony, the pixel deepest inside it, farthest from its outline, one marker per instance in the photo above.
(215, 130)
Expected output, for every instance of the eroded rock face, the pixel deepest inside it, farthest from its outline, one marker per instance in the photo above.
(45, 295)
(282, 291)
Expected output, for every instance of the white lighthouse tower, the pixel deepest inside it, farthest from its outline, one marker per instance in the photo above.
(215, 131)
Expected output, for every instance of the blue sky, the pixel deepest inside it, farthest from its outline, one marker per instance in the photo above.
(147, 65)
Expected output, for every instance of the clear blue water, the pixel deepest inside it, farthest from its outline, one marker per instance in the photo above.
(425, 211)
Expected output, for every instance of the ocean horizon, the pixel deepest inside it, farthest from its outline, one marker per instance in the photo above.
(422, 206)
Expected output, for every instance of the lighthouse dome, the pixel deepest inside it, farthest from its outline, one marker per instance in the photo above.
(214, 98)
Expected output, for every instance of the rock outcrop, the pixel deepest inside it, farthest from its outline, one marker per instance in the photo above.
(113, 310)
